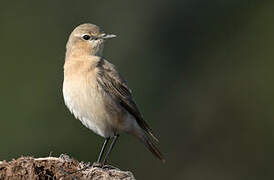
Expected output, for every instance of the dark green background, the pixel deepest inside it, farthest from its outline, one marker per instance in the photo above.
(201, 73)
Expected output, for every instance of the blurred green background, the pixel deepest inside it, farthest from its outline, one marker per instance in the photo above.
(201, 73)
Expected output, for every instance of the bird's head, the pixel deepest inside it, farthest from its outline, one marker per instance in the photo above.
(87, 39)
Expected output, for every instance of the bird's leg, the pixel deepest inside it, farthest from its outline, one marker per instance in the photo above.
(110, 148)
(97, 163)
(103, 149)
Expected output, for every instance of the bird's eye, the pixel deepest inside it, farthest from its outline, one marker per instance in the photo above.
(86, 37)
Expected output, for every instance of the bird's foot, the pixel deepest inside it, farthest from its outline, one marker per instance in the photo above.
(97, 164)
(103, 166)
(108, 167)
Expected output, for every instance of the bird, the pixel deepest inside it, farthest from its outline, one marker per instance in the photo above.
(97, 95)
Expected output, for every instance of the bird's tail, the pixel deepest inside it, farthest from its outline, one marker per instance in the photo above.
(143, 137)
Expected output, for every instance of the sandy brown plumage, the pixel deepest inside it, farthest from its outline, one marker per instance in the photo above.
(96, 93)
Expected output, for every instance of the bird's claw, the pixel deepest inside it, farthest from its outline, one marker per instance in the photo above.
(97, 164)
(108, 167)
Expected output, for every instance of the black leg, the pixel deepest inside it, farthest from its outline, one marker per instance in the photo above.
(103, 149)
(110, 148)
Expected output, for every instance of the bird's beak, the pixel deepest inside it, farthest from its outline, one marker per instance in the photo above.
(109, 36)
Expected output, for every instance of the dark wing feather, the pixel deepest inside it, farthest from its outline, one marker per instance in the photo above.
(114, 84)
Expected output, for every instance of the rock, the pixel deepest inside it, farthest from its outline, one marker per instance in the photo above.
(63, 168)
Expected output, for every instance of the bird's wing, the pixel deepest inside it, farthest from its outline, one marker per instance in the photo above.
(112, 82)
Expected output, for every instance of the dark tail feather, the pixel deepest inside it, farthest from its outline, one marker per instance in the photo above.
(154, 150)
(149, 144)
(147, 129)
(152, 136)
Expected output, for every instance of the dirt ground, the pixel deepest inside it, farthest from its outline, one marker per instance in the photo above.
(63, 167)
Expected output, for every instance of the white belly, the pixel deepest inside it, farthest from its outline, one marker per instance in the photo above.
(87, 105)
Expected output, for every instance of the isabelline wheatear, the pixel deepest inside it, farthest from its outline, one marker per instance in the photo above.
(96, 93)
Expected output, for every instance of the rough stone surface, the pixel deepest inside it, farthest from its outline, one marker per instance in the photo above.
(63, 168)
